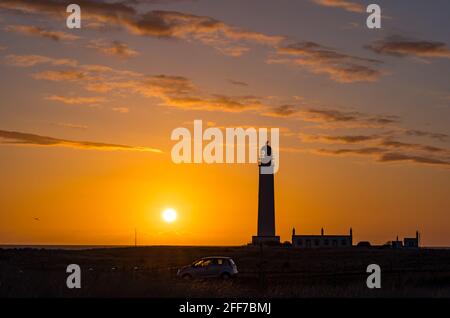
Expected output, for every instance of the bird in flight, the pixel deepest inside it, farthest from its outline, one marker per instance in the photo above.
(36, 219)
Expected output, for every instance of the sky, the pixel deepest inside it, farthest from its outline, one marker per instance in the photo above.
(86, 117)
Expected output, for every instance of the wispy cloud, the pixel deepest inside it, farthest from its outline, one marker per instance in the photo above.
(237, 83)
(422, 133)
(40, 32)
(123, 110)
(347, 119)
(27, 139)
(215, 103)
(398, 157)
(387, 156)
(340, 67)
(400, 46)
(158, 23)
(342, 4)
(352, 151)
(344, 139)
(173, 91)
(383, 147)
(56, 76)
(371, 135)
(282, 111)
(72, 126)
(77, 100)
(412, 146)
(32, 60)
(114, 48)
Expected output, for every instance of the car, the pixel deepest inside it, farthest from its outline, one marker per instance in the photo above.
(363, 244)
(209, 267)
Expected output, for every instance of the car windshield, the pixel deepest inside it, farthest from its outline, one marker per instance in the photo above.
(215, 261)
(197, 263)
(206, 262)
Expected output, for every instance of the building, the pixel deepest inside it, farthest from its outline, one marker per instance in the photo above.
(322, 240)
(266, 217)
(397, 243)
(408, 242)
(411, 242)
(266, 200)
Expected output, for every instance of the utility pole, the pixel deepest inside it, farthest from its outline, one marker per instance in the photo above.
(135, 237)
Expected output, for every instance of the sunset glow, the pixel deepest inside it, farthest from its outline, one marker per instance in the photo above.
(169, 215)
(86, 117)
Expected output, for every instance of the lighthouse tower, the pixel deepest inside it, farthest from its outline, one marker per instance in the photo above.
(266, 199)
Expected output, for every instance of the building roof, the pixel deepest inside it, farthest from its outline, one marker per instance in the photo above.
(319, 235)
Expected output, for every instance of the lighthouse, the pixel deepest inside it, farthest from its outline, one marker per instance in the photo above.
(266, 199)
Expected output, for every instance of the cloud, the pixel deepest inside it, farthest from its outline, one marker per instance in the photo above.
(344, 139)
(182, 25)
(114, 48)
(73, 126)
(173, 91)
(237, 83)
(383, 145)
(32, 60)
(77, 100)
(421, 133)
(382, 149)
(281, 111)
(234, 51)
(56, 76)
(214, 103)
(26, 139)
(122, 110)
(180, 92)
(400, 47)
(348, 119)
(166, 85)
(411, 146)
(40, 32)
(394, 157)
(340, 67)
(386, 156)
(352, 151)
(342, 4)
(227, 39)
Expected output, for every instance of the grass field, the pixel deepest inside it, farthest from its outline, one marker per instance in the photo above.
(270, 272)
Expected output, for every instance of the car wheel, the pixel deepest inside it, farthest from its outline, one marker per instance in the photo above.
(225, 276)
(186, 277)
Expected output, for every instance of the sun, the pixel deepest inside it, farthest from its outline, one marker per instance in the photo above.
(169, 215)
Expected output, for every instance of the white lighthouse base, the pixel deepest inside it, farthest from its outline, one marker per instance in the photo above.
(265, 240)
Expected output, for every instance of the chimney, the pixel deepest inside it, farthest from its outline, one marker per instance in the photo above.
(321, 232)
(293, 231)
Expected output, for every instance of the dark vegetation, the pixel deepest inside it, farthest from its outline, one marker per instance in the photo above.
(271, 272)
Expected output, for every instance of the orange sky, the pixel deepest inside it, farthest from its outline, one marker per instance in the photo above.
(86, 117)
